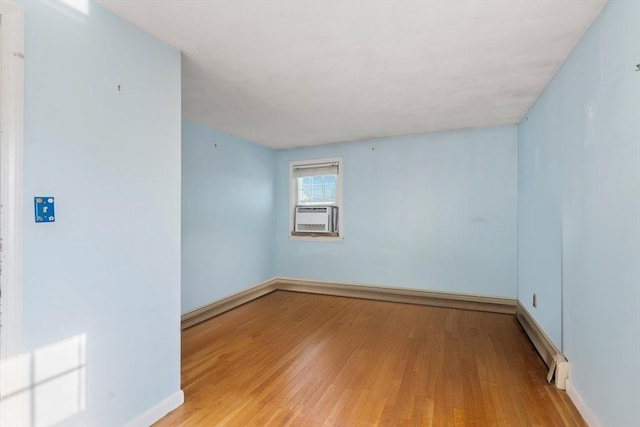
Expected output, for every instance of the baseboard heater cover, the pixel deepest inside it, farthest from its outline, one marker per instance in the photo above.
(217, 307)
(380, 293)
(552, 357)
(560, 370)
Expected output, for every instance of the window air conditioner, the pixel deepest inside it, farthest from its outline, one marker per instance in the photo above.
(316, 219)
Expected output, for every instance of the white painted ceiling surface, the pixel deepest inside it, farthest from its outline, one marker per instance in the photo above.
(298, 73)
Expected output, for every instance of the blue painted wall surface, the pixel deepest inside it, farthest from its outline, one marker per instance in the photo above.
(434, 212)
(227, 214)
(109, 267)
(587, 122)
(539, 221)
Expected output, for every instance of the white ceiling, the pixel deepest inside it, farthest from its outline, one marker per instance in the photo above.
(297, 73)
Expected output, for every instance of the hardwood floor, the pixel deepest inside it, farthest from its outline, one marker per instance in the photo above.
(310, 360)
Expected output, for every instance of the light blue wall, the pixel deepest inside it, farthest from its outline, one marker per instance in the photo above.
(539, 221)
(587, 127)
(109, 267)
(434, 212)
(227, 214)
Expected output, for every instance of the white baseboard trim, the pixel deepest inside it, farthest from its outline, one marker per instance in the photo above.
(350, 290)
(157, 412)
(401, 295)
(546, 348)
(217, 307)
(585, 411)
(550, 354)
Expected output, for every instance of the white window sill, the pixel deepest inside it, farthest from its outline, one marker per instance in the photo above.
(327, 239)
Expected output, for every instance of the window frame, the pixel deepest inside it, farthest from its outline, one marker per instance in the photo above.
(293, 199)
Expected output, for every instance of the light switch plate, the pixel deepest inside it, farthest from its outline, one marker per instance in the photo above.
(44, 209)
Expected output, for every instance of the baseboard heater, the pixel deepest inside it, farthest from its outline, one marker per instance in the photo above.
(559, 369)
(552, 357)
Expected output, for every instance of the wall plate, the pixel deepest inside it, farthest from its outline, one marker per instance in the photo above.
(44, 209)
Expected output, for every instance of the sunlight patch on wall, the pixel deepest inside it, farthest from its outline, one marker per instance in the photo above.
(45, 386)
(78, 10)
(81, 6)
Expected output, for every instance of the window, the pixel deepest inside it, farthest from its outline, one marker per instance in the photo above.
(316, 199)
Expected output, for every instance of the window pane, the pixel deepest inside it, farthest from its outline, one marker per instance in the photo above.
(329, 194)
(316, 193)
(319, 189)
(303, 189)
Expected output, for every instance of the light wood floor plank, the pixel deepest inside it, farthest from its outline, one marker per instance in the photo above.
(312, 360)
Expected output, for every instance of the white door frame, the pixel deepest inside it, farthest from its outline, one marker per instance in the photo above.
(11, 136)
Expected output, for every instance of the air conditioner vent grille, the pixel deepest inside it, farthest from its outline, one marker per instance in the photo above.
(312, 227)
(317, 219)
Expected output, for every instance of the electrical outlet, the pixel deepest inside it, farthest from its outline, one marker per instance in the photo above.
(535, 301)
